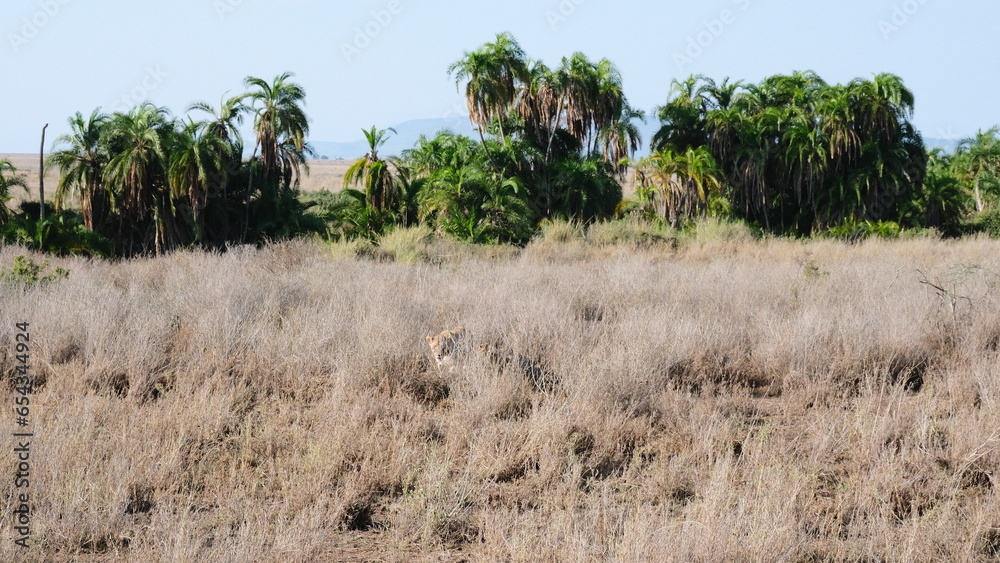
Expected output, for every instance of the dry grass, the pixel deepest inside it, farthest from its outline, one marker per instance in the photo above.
(325, 175)
(27, 165)
(710, 401)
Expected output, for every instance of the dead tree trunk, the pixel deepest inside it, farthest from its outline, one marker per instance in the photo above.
(41, 177)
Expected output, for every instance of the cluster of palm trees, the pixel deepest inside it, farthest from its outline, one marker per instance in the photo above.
(553, 143)
(578, 105)
(977, 162)
(151, 182)
(792, 153)
(563, 132)
(446, 182)
(964, 185)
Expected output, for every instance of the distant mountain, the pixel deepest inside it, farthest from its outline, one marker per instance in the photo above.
(406, 137)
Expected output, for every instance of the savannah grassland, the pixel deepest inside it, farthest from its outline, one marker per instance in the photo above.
(707, 399)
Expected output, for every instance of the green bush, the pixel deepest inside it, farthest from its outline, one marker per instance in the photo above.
(989, 223)
(710, 229)
(25, 272)
(856, 231)
(559, 231)
(60, 233)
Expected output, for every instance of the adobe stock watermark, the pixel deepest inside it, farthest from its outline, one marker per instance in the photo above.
(364, 35)
(901, 14)
(140, 93)
(946, 138)
(456, 110)
(563, 11)
(225, 7)
(31, 26)
(713, 29)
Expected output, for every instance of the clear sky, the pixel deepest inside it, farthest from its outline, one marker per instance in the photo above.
(380, 62)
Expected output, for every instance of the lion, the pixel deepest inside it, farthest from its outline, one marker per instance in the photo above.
(449, 348)
(444, 345)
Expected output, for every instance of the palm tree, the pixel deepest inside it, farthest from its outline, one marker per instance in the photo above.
(350, 216)
(6, 183)
(682, 118)
(539, 104)
(748, 160)
(472, 204)
(373, 173)
(225, 121)
(610, 107)
(506, 215)
(81, 167)
(493, 74)
(684, 181)
(136, 178)
(804, 158)
(281, 126)
(409, 185)
(278, 118)
(837, 125)
(224, 124)
(620, 138)
(588, 96)
(444, 149)
(443, 201)
(978, 157)
(584, 189)
(197, 166)
(882, 104)
(719, 96)
(892, 159)
(579, 81)
(943, 200)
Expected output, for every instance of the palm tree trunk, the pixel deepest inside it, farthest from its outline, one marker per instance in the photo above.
(87, 209)
(98, 206)
(979, 196)
(552, 130)
(486, 150)
(246, 217)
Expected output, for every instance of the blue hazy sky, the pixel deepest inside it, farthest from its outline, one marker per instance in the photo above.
(380, 62)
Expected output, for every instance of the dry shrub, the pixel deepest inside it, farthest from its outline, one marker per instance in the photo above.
(409, 245)
(630, 233)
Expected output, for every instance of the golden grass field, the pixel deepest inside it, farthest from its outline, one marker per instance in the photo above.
(708, 398)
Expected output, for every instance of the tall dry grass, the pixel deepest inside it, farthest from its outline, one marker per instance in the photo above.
(720, 400)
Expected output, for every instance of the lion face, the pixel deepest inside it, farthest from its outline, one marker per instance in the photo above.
(444, 345)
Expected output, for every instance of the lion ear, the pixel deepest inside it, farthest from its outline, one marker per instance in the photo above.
(429, 338)
(457, 329)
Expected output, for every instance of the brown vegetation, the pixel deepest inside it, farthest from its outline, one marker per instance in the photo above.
(703, 401)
